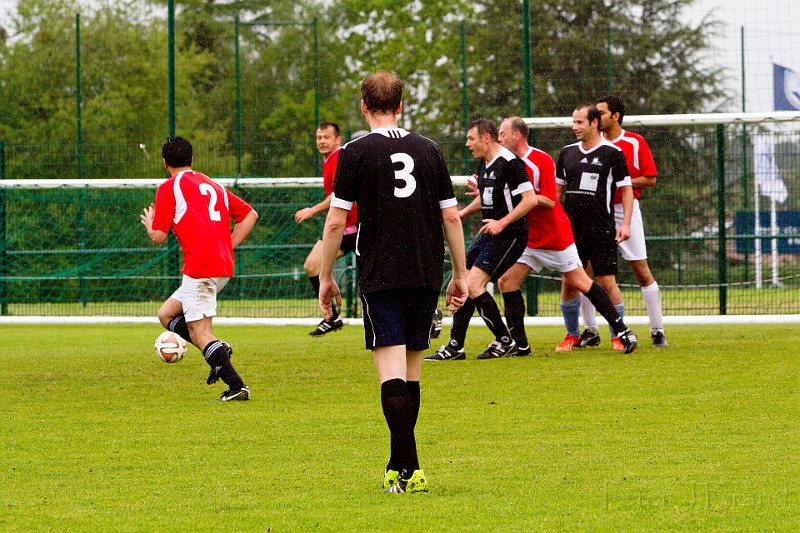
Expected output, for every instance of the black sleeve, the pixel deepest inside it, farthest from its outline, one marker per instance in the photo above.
(344, 184)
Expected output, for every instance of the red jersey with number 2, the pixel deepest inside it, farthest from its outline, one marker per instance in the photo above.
(199, 211)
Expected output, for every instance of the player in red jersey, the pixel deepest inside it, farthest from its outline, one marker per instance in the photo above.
(642, 170)
(199, 211)
(550, 244)
(329, 139)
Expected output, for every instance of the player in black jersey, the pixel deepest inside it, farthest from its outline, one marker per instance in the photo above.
(405, 197)
(504, 195)
(588, 173)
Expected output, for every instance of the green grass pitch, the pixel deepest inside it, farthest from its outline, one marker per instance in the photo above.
(99, 435)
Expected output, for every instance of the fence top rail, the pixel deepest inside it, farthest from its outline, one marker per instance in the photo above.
(254, 183)
(679, 119)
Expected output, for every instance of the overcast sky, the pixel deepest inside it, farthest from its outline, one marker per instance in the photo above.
(771, 31)
(771, 35)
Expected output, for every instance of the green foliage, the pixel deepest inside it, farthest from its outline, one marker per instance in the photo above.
(654, 65)
(101, 436)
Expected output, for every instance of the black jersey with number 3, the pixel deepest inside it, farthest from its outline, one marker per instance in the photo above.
(400, 182)
(590, 178)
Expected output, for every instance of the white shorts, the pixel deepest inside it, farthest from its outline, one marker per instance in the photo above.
(634, 249)
(199, 296)
(565, 260)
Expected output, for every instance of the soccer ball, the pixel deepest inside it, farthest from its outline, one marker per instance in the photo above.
(170, 347)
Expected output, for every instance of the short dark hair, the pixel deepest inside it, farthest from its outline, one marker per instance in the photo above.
(177, 152)
(592, 113)
(484, 127)
(382, 92)
(325, 125)
(615, 105)
(518, 125)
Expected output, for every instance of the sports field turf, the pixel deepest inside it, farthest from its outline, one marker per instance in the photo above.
(99, 435)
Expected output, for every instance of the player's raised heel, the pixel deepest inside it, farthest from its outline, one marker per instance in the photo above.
(436, 324)
(326, 326)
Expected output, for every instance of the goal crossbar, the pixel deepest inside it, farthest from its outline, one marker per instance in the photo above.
(679, 119)
(253, 183)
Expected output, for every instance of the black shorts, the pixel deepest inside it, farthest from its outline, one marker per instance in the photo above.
(495, 254)
(348, 243)
(601, 253)
(394, 317)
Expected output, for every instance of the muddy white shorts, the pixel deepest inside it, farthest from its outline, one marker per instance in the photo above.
(199, 296)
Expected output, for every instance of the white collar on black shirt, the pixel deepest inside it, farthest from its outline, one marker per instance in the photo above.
(392, 132)
(505, 153)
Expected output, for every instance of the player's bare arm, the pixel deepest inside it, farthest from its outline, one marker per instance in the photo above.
(543, 201)
(644, 181)
(242, 229)
(310, 212)
(527, 202)
(331, 243)
(157, 236)
(457, 292)
(624, 230)
(473, 207)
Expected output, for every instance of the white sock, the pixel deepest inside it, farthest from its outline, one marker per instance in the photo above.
(652, 302)
(588, 314)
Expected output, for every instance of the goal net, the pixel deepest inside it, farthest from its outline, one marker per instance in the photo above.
(77, 247)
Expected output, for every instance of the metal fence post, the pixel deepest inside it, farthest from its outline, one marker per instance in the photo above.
(3, 255)
(722, 255)
(464, 98)
(238, 103)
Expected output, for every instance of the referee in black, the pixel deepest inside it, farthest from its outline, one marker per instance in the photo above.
(405, 199)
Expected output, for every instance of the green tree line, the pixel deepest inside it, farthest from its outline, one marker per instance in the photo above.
(654, 59)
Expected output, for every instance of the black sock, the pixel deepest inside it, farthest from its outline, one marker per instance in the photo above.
(217, 357)
(397, 410)
(178, 325)
(458, 332)
(414, 396)
(602, 302)
(490, 313)
(314, 284)
(515, 316)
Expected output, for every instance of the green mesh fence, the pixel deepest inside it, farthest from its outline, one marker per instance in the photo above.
(69, 251)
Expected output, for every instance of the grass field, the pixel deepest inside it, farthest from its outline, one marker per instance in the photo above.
(99, 435)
